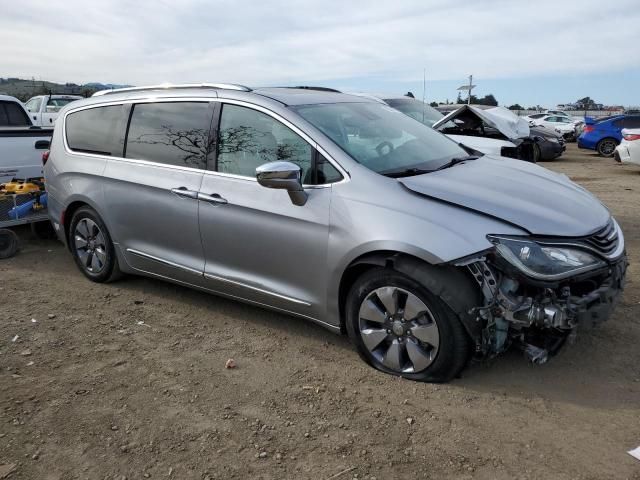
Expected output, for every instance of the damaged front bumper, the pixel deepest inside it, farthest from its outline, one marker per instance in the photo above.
(538, 315)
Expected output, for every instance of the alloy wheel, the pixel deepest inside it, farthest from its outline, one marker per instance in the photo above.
(398, 330)
(607, 147)
(89, 243)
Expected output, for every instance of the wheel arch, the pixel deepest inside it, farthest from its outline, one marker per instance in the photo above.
(74, 205)
(438, 278)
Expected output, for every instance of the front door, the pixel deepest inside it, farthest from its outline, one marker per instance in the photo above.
(151, 194)
(258, 245)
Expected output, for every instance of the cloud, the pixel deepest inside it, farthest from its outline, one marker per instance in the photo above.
(278, 42)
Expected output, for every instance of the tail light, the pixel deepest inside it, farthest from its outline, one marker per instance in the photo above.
(631, 136)
(588, 128)
(45, 156)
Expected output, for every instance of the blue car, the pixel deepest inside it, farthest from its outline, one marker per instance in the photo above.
(604, 134)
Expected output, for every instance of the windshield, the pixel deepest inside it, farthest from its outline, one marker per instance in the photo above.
(381, 138)
(416, 109)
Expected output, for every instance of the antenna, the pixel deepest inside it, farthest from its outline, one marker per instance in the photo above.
(424, 88)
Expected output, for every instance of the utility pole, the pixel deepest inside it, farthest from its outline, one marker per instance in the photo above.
(468, 88)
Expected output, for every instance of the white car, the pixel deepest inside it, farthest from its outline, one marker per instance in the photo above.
(629, 149)
(21, 144)
(565, 126)
(43, 109)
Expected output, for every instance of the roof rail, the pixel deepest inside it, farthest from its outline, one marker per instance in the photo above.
(169, 86)
(311, 87)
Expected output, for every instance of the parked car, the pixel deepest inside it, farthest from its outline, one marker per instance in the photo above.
(629, 149)
(337, 209)
(44, 109)
(21, 144)
(497, 123)
(565, 126)
(604, 134)
(428, 116)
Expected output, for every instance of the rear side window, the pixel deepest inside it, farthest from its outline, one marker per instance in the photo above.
(632, 122)
(12, 115)
(174, 133)
(97, 130)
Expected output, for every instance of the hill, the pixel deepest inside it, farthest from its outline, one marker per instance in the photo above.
(25, 89)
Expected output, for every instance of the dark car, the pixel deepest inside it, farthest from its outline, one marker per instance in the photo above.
(548, 144)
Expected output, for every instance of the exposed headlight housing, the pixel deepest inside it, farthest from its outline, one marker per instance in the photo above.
(544, 262)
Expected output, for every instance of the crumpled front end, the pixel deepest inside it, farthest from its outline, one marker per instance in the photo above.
(538, 292)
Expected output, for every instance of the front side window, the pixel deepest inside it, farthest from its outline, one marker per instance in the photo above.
(97, 130)
(174, 133)
(249, 138)
(380, 137)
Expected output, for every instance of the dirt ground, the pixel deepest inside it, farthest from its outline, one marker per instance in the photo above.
(127, 380)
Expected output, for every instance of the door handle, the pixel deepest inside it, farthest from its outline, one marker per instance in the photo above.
(213, 198)
(184, 192)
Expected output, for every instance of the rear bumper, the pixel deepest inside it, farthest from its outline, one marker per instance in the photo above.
(623, 155)
(586, 143)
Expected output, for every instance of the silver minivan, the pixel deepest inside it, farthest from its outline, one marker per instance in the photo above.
(337, 209)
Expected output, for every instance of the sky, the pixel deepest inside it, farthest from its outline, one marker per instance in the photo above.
(532, 53)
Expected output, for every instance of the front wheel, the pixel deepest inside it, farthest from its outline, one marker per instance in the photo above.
(401, 328)
(606, 147)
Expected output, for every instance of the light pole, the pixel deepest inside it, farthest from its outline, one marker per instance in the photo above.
(468, 88)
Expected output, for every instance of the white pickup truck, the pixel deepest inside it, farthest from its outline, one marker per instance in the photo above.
(43, 109)
(21, 143)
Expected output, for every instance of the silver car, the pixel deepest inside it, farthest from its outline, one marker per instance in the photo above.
(337, 209)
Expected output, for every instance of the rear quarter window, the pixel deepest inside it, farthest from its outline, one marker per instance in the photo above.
(12, 115)
(98, 130)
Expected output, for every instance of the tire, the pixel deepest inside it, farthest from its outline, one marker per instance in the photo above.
(537, 153)
(607, 146)
(431, 346)
(9, 243)
(92, 248)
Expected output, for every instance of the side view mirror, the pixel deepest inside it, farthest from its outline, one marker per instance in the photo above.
(283, 175)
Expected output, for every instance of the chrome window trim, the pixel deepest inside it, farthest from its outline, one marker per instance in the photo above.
(305, 137)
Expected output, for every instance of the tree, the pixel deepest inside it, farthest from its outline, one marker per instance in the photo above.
(516, 106)
(434, 104)
(586, 103)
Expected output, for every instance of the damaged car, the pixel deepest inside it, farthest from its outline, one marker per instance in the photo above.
(498, 123)
(339, 210)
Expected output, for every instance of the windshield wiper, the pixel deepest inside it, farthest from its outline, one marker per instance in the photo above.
(456, 161)
(408, 172)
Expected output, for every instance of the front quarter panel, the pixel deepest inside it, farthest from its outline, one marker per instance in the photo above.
(398, 220)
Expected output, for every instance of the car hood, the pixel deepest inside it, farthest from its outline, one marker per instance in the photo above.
(523, 194)
(503, 120)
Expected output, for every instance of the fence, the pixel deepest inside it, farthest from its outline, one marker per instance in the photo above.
(574, 113)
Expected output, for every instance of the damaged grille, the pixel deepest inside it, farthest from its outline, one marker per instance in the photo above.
(604, 241)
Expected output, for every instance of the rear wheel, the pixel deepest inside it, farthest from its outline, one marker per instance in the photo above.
(8, 243)
(92, 247)
(401, 328)
(607, 146)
